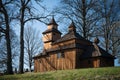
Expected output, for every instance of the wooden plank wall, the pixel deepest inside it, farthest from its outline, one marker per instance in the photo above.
(53, 63)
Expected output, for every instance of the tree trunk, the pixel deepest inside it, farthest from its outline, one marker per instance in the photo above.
(21, 62)
(9, 59)
(8, 44)
(84, 19)
(30, 65)
(29, 55)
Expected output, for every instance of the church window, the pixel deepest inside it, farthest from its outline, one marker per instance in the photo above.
(60, 55)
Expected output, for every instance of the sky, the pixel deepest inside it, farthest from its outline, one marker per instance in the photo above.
(49, 4)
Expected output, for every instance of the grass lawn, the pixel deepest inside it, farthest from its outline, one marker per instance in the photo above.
(107, 73)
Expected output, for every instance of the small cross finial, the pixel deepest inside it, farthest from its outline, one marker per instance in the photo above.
(53, 21)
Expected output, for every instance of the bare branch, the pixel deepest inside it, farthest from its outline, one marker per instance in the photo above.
(2, 30)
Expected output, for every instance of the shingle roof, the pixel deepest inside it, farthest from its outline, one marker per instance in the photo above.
(72, 25)
(69, 36)
(52, 30)
(41, 54)
(95, 51)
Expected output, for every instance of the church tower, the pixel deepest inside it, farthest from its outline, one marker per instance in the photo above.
(51, 34)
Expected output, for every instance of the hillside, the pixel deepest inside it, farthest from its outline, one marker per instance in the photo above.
(108, 73)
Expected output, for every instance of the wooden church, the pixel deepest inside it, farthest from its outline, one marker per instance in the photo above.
(70, 51)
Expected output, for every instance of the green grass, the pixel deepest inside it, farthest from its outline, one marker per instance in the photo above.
(107, 73)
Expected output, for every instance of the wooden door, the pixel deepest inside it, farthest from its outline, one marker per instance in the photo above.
(96, 63)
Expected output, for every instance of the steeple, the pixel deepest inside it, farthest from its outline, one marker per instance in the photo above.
(72, 27)
(53, 22)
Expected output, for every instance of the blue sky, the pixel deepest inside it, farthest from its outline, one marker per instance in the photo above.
(49, 4)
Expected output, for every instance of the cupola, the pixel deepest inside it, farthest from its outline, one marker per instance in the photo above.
(52, 24)
(72, 27)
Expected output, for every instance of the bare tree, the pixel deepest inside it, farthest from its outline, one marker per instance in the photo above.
(109, 12)
(33, 45)
(1, 27)
(27, 13)
(6, 8)
(82, 13)
(14, 50)
(3, 56)
(115, 40)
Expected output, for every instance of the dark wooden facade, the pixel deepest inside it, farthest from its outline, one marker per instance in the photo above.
(71, 51)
